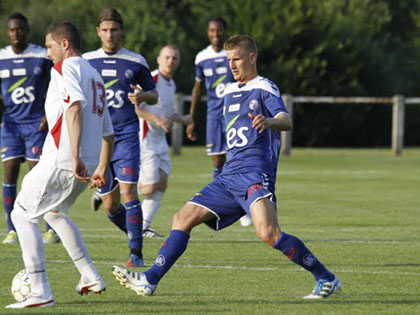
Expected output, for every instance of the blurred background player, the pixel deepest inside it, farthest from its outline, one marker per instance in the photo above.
(24, 75)
(78, 144)
(125, 73)
(255, 114)
(211, 66)
(155, 122)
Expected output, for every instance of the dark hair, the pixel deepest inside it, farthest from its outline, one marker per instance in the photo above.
(65, 30)
(18, 16)
(219, 20)
(109, 15)
(241, 40)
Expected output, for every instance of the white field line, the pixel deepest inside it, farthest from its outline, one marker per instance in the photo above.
(277, 269)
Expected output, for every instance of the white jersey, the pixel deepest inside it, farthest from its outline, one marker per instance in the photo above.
(153, 137)
(75, 80)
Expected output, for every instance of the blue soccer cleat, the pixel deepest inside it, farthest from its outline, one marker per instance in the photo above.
(134, 261)
(324, 288)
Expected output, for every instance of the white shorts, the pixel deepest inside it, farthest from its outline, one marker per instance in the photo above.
(47, 188)
(150, 164)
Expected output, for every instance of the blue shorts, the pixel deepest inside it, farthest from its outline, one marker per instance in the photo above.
(21, 141)
(229, 197)
(124, 166)
(215, 136)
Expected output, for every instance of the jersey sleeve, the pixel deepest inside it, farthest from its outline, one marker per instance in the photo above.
(107, 127)
(145, 79)
(199, 75)
(272, 99)
(73, 86)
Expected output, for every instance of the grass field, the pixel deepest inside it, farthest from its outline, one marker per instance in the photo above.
(358, 211)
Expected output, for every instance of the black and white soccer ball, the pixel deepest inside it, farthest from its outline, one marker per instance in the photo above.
(21, 286)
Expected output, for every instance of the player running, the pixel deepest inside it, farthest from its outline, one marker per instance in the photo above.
(155, 122)
(211, 66)
(126, 74)
(78, 144)
(24, 74)
(254, 115)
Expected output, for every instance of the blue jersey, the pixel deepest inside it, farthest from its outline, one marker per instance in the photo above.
(247, 148)
(213, 68)
(118, 71)
(24, 82)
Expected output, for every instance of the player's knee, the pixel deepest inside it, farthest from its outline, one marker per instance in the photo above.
(182, 221)
(147, 190)
(268, 235)
(162, 186)
(129, 194)
(53, 216)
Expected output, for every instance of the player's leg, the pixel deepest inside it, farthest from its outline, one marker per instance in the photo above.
(216, 144)
(11, 172)
(114, 209)
(267, 228)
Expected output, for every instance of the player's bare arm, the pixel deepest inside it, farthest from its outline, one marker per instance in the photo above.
(107, 149)
(74, 127)
(195, 98)
(183, 119)
(139, 96)
(281, 122)
(162, 121)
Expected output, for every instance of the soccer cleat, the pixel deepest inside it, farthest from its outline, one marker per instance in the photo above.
(96, 201)
(150, 233)
(135, 281)
(85, 287)
(32, 301)
(134, 261)
(246, 220)
(50, 237)
(11, 237)
(324, 288)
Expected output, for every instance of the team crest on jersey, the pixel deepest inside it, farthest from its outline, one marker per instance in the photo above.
(37, 70)
(36, 150)
(253, 105)
(129, 74)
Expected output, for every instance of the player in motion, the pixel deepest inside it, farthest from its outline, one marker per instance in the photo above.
(80, 135)
(211, 66)
(126, 74)
(155, 121)
(254, 114)
(24, 74)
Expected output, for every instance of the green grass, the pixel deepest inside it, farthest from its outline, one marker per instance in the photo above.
(358, 211)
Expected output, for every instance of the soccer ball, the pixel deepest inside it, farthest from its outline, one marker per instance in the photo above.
(21, 286)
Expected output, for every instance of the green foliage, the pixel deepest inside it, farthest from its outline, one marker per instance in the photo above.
(307, 47)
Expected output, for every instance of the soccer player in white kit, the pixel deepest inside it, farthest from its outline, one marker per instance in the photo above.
(155, 122)
(79, 143)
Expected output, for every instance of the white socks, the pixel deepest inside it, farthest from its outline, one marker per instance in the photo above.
(74, 244)
(150, 206)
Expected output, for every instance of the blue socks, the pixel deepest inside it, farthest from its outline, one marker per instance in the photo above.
(216, 171)
(295, 250)
(119, 218)
(134, 222)
(170, 251)
(9, 196)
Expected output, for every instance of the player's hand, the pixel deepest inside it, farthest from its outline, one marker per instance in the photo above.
(164, 122)
(80, 171)
(190, 132)
(98, 179)
(136, 97)
(187, 120)
(43, 126)
(259, 122)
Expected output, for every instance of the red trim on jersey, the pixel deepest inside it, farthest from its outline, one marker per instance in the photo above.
(145, 129)
(56, 131)
(67, 100)
(156, 77)
(59, 66)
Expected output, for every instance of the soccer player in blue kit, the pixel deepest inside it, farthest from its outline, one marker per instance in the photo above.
(126, 76)
(254, 115)
(24, 75)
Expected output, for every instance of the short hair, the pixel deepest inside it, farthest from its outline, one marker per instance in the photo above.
(109, 14)
(65, 30)
(171, 46)
(219, 20)
(18, 16)
(241, 40)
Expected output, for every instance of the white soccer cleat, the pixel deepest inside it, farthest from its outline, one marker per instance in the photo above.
(324, 289)
(11, 237)
(32, 302)
(135, 281)
(246, 220)
(150, 233)
(84, 287)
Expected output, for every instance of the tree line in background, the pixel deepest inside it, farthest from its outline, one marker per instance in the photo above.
(307, 47)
